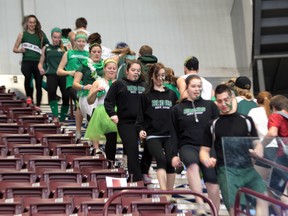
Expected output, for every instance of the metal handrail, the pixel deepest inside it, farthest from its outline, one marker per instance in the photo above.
(248, 191)
(272, 163)
(147, 191)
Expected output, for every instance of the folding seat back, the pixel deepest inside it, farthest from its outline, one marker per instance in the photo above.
(66, 175)
(42, 118)
(96, 161)
(86, 189)
(158, 204)
(39, 161)
(24, 189)
(82, 149)
(23, 175)
(13, 103)
(11, 162)
(11, 206)
(6, 138)
(7, 96)
(47, 128)
(48, 206)
(14, 112)
(46, 139)
(96, 206)
(31, 149)
(12, 128)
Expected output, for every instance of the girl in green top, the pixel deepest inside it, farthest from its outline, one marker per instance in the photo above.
(90, 70)
(32, 40)
(70, 62)
(50, 59)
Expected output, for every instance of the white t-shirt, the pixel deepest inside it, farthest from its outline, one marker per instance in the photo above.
(206, 87)
(260, 119)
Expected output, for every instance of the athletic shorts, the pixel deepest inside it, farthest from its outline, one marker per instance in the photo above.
(190, 154)
(231, 179)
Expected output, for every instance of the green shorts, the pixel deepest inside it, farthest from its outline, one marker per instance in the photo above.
(231, 179)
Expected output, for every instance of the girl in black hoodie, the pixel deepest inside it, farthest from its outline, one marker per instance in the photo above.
(153, 124)
(125, 95)
(189, 119)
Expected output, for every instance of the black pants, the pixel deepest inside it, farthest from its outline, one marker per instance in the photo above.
(110, 146)
(129, 138)
(161, 150)
(28, 68)
(53, 81)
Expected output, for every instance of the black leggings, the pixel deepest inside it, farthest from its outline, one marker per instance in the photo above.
(28, 68)
(161, 150)
(129, 138)
(110, 146)
(53, 81)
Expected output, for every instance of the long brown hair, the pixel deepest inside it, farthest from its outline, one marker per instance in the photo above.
(263, 98)
(38, 26)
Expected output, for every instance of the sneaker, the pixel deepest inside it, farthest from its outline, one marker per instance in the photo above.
(55, 119)
(37, 108)
(29, 101)
(98, 151)
(200, 211)
(77, 137)
(147, 179)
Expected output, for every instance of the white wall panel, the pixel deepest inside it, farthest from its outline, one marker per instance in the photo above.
(174, 28)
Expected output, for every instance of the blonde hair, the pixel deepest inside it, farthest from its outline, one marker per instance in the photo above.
(79, 33)
(244, 92)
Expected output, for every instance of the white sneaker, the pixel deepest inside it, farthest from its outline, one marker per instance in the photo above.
(147, 179)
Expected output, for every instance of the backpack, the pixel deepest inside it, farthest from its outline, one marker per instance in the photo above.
(121, 68)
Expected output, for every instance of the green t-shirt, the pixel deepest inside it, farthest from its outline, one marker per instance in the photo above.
(74, 58)
(244, 106)
(53, 56)
(33, 45)
(87, 76)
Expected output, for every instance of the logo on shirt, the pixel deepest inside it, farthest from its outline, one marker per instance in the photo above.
(135, 89)
(192, 111)
(161, 104)
(78, 56)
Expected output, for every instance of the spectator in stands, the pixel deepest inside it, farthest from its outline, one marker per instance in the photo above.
(189, 119)
(125, 95)
(152, 125)
(146, 57)
(121, 45)
(70, 62)
(89, 70)
(96, 38)
(244, 96)
(80, 25)
(50, 59)
(278, 128)
(191, 66)
(260, 117)
(65, 40)
(33, 39)
(122, 56)
(171, 81)
(237, 167)
(100, 124)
